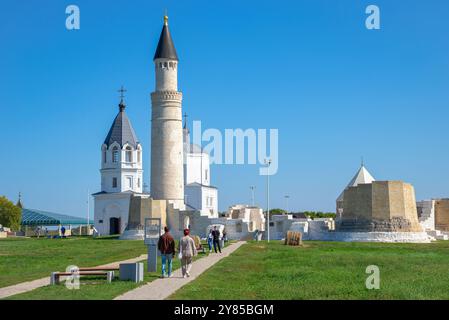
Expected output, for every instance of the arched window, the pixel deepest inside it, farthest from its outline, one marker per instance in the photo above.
(104, 155)
(115, 154)
(139, 156)
(129, 154)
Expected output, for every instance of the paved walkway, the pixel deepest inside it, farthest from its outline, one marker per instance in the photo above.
(161, 289)
(31, 285)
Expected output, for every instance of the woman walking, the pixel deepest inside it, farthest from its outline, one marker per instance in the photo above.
(210, 240)
(188, 250)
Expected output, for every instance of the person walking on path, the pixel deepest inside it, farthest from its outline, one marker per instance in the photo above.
(216, 236)
(166, 246)
(187, 250)
(210, 240)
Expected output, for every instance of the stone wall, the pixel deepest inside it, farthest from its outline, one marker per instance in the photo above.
(442, 214)
(426, 214)
(381, 206)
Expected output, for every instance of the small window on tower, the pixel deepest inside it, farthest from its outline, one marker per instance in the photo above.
(104, 156)
(130, 182)
(138, 183)
(114, 182)
(115, 154)
(129, 154)
(165, 65)
(139, 156)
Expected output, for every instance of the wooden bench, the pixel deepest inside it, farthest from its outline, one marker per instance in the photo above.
(55, 276)
(100, 269)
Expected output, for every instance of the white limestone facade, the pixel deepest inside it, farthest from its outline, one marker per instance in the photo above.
(253, 216)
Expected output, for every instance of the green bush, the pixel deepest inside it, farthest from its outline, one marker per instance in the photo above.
(10, 215)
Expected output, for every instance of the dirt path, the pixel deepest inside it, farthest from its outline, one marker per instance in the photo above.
(161, 289)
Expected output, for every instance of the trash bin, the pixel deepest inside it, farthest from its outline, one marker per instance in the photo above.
(222, 243)
(259, 237)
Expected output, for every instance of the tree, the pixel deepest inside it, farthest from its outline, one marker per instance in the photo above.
(313, 214)
(276, 212)
(10, 215)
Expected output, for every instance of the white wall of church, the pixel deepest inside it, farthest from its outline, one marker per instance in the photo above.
(123, 171)
(197, 168)
(193, 197)
(204, 199)
(107, 206)
(210, 201)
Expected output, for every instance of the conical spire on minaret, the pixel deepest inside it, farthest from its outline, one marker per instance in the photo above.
(165, 48)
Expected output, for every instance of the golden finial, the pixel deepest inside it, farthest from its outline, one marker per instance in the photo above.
(166, 18)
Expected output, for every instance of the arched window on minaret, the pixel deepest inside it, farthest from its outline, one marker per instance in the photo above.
(129, 154)
(115, 154)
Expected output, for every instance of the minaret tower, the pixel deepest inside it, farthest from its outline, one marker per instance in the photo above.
(167, 177)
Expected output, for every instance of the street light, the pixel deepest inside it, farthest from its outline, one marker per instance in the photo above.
(268, 163)
(253, 188)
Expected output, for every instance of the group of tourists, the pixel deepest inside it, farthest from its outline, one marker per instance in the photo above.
(186, 250)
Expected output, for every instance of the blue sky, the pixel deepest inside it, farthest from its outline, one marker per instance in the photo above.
(335, 90)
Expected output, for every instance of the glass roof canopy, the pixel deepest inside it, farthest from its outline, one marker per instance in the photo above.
(31, 217)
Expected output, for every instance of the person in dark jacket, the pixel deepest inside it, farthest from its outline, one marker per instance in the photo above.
(166, 246)
(216, 236)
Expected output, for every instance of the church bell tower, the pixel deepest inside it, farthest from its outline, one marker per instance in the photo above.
(167, 177)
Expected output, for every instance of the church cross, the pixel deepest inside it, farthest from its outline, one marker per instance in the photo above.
(122, 92)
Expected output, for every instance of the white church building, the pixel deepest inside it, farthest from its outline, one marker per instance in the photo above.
(121, 175)
(199, 195)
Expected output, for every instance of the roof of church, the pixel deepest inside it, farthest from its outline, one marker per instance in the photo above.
(361, 177)
(165, 48)
(121, 130)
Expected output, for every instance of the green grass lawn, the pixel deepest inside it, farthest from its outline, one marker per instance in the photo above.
(325, 270)
(94, 288)
(23, 259)
(91, 288)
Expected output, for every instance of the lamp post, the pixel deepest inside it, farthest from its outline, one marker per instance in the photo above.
(253, 188)
(268, 163)
(88, 215)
